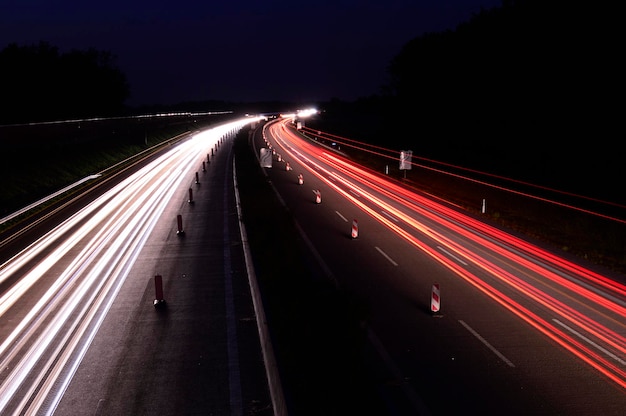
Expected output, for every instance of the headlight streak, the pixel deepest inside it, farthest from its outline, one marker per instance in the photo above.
(566, 277)
(39, 357)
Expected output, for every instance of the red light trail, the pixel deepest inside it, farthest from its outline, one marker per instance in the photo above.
(580, 310)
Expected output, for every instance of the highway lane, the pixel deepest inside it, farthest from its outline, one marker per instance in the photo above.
(519, 328)
(78, 329)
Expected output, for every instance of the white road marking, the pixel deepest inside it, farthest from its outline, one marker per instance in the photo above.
(386, 256)
(391, 217)
(341, 216)
(487, 344)
(451, 255)
(590, 342)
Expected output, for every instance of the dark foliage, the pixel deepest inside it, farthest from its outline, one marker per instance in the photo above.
(532, 72)
(532, 89)
(39, 83)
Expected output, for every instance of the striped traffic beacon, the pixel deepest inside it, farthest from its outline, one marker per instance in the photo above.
(435, 299)
(318, 196)
(355, 229)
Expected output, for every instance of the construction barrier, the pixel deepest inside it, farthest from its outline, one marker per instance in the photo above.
(318, 196)
(435, 299)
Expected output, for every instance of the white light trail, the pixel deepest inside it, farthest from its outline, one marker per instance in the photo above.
(90, 255)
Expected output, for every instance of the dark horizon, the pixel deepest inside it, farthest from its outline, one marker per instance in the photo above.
(250, 52)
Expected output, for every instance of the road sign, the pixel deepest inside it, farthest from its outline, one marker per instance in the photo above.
(405, 159)
(266, 157)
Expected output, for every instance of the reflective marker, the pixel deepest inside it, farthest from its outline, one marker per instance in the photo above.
(355, 229)
(158, 290)
(318, 196)
(435, 298)
(179, 219)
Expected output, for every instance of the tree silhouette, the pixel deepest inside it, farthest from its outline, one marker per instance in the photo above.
(39, 83)
(529, 65)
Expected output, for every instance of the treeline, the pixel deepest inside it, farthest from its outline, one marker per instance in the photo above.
(529, 67)
(39, 83)
(533, 87)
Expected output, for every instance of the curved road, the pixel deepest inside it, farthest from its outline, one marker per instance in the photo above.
(519, 329)
(79, 332)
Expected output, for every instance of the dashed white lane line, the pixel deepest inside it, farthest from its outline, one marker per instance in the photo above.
(341, 216)
(487, 344)
(386, 256)
(590, 342)
(388, 215)
(451, 255)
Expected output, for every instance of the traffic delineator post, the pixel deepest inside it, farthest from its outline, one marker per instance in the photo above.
(203, 166)
(279, 157)
(355, 229)
(287, 166)
(197, 178)
(158, 291)
(300, 179)
(435, 299)
(318, 196)
(179, 221)
(190, 196)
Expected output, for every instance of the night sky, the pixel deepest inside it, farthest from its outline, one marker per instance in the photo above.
(181, 51)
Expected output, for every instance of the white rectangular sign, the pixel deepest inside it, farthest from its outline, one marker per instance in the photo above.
(266, 157)
(405, 159)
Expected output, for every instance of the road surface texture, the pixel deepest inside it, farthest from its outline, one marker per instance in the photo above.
(199, 354)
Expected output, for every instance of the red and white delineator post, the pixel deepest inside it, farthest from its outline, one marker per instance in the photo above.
(435, 299)
(287, 166)
(318, 196)
(158, 291)
(300, 179)
(355, 229)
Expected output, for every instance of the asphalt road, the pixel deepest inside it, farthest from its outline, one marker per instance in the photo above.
(98, 345)
(476, 355)
(201, 353)
(358, 338)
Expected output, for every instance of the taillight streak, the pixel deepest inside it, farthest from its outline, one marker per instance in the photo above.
(499, 242)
